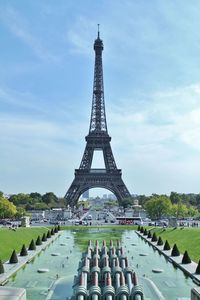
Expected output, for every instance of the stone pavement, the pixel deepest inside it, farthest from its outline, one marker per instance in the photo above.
(11, 269)
(188, 269)
(10, 293)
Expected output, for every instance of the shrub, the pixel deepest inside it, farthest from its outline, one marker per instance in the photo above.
(160, 241)
(44, 238)
(38, 241)
(149, 234)
(166, 245)
(154, 237)
(138, 229)
(55, 229)
(58, 227)
(175, 251)
(13, 258)
(52, 231)
(23, 251)
(198, 268)
(1, 267)
(141, 229)
(186, 259)
(48, 234)
(145, 231)
(32, 245)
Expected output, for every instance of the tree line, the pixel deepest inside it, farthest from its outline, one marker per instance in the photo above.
(175, 205)
(16, 205)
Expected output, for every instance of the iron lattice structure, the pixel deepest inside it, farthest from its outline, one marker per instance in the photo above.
(97, 139)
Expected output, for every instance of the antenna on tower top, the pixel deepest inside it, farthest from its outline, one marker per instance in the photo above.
(98, 31)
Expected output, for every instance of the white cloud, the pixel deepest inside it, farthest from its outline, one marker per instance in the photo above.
(189, 128)
(167, 117)
(157, 142)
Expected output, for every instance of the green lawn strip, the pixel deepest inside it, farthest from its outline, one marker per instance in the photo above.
(10, 239)
(185, 238)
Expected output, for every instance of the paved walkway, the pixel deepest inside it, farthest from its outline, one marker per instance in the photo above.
(10, 269)
(189, 269)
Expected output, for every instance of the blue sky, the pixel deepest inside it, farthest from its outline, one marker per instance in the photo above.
(152, 91)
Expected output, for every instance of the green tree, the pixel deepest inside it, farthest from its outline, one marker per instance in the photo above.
(175, 197)
(7, 208)
(35, 197)
(21, 212)
(126, 202)
(62, 202)
(158, 206)
(193, 212)
(179, 210)
(41, 206)
(188, 199)
(20, 199)
(110, 203)
(29, 206)
(49, 198)
(198, 200)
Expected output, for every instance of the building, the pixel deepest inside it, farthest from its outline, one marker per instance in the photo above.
(51, 214)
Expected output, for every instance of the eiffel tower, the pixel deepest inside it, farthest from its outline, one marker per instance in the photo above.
(97, 139)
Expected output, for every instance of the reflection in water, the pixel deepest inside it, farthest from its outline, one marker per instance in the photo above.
(82, 235)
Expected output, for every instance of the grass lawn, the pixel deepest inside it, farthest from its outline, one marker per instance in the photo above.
(10, 239)
(185, 239)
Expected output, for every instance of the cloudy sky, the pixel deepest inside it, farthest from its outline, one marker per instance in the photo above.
(151, 62)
